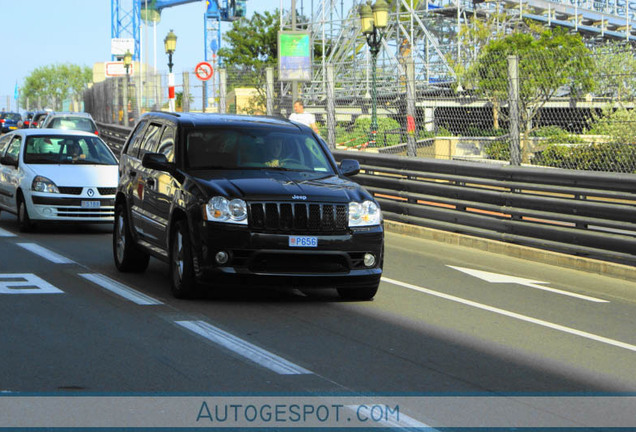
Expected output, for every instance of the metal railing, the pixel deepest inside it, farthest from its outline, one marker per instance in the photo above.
(582, 213)
(575, 212)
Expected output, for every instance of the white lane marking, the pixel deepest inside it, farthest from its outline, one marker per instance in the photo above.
(499, 278)
(243, 348)
(4, 233)
(514, 315)
(120, 289)
(46, 254)
(25, 283)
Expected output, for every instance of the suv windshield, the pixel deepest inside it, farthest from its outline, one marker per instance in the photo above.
(254, 149)
(67, 150)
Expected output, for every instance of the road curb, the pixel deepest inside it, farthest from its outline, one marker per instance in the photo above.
(604, 268)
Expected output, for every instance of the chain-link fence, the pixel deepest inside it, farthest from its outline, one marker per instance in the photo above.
(553, 108)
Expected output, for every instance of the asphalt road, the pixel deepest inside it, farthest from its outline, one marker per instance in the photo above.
(446, 320)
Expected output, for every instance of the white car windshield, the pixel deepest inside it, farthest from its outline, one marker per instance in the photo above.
(55, 150)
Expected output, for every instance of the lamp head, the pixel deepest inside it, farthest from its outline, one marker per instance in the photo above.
(366, 18)
(381, 13)
(170, 42)
(127, 59)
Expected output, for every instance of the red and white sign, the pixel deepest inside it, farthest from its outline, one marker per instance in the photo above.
(115, 69)
(204, 71)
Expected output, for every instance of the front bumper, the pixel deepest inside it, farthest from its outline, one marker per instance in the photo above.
(61, 208)
(265, 259)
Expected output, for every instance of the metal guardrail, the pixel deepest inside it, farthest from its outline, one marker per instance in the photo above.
(114, 135)
(575, 212)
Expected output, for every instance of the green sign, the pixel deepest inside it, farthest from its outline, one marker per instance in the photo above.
(294, 56)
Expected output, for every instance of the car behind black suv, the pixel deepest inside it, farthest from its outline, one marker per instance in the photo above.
(229, 200)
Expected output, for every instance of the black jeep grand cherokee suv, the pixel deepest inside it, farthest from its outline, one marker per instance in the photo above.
(229, 200)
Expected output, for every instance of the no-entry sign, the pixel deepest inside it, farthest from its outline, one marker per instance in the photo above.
(204, 71)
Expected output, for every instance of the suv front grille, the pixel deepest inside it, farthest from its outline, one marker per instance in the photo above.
(298, 217)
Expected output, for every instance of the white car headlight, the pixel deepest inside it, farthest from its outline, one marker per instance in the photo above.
(366, 213)
(42, 184)
(220, 209)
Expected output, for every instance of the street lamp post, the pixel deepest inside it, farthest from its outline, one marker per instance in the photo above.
(127, 64)
(373, 19)
(170, 44)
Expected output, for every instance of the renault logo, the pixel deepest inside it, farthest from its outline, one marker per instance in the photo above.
(90, 192)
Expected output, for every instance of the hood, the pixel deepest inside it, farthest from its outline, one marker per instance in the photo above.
(79, 175)
(264, 185)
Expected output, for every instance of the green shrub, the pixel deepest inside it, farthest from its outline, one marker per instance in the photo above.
(485, 132)
(618, 125)
(359, 133)
(611, 157)
(498, 150)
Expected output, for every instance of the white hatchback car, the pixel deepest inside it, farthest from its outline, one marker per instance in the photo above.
(52, 175)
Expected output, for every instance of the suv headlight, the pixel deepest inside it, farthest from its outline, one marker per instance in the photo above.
(366, 213)
(220, 209)
(42, 184)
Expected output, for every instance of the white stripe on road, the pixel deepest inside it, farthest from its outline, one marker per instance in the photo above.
(243, 348)
(514, 315)
(46, 254)
(4, 233)
(120, 289)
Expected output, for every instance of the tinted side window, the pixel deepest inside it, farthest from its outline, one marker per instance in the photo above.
(151, 139)
(13, 150)
(166, 145)
(3, 144)
(134, 143)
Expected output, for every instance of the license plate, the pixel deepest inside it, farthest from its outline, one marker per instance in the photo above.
(303, 241)
(91, 204)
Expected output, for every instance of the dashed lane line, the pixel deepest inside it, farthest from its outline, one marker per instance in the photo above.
(4, 233)
(45, 253)
(120, 289)
(243, 348)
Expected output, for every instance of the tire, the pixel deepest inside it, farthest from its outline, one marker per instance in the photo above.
(182, 277)
(360, 294)
(24, 221)
(128, 257)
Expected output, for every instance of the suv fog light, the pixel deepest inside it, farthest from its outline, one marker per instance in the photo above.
(369, 260)
(221, 257)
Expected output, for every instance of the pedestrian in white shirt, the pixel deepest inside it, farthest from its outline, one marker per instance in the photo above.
(299, 115)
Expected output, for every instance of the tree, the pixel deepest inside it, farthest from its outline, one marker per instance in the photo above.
(54, 84)
(252, 45)
(616, 65)
(554, 62)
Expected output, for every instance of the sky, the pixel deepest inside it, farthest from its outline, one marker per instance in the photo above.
(36, 33)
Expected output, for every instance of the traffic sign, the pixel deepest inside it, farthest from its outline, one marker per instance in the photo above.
(204, 71)
(115, 69)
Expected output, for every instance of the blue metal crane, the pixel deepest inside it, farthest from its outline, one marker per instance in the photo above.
(126, 16)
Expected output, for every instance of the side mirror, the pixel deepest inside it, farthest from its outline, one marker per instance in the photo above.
(157, 161)
(8, 160)
(349, 167)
